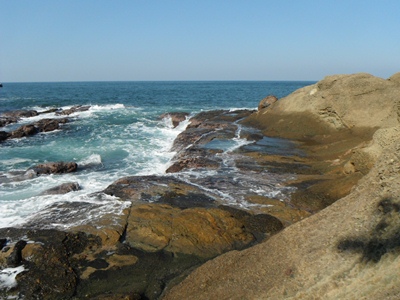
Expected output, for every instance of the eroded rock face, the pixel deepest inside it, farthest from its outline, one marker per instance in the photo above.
(55, 168)
(267, 101)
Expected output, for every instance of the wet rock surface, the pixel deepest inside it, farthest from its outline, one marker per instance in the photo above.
(74, 109)
(176, 117)
(63, 189)
(168, 228)
(55, 168)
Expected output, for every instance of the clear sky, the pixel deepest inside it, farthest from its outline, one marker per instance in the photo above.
(91, 40)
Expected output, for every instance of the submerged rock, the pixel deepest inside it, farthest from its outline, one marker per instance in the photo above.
(63, 189)
(74, 109)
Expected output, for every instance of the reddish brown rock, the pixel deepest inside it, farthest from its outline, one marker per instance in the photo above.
(267, 101)
(23, 131)
(55, 168)
(176, 117)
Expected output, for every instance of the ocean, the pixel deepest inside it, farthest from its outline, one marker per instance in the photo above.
(121, 134)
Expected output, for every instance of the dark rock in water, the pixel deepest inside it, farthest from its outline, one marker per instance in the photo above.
(48, 261)
(267, 101)
(176, 117)
(15, 258)
(4, 135)
(159, 189)
(194, 159)
(74, 109)
(52, 110)
(25, 130)
(43, 125)
(21, 113)
(205, 127)
(46, 125)
(55, 168)
(63, 189)
(3, 243)
(4, 121)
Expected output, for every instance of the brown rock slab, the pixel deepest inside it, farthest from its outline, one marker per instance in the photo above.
(55, 168)
(199, 231)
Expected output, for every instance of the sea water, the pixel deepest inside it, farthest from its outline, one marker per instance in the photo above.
(121, 134)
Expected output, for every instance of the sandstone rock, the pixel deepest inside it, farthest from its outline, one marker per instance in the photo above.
(199, 231)
(346, 101)
(266, 102)
(349, 250)
(55, 168)
(63, 189)
(176, 117)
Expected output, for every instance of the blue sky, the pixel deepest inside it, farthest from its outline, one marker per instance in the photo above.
(95, 40)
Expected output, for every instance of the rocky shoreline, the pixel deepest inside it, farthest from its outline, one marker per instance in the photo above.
(316, 142)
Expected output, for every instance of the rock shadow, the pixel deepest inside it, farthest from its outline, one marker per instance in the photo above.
(384, 238)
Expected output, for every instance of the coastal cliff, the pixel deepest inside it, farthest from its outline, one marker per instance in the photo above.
(350, 249)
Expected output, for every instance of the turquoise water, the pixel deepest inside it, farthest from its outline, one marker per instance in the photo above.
(120, 135)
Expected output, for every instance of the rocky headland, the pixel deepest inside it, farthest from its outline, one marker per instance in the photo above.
(332, 148)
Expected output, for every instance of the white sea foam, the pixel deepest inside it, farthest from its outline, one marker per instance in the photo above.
(8, 275)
